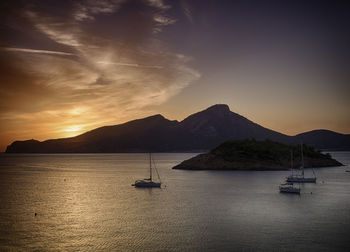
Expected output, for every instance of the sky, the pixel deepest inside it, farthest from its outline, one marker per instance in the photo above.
(67, 67)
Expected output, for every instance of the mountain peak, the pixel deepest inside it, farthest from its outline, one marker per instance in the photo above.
(219, 107)
(215, 111)
(200, 131)
(156, 116)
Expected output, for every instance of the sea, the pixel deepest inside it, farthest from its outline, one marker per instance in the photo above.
(86, 202)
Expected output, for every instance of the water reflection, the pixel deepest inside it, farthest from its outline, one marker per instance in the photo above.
(86, 202)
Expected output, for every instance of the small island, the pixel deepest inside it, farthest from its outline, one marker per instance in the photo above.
(251, 154)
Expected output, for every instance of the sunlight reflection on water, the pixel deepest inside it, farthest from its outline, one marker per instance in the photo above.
(86, 202)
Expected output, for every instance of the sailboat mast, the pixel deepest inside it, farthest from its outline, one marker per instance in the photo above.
(150, 167)
(291, 160)
(302, 160)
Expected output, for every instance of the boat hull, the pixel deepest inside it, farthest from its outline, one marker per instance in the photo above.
(289, 190)
(301, 180)
(147, 184)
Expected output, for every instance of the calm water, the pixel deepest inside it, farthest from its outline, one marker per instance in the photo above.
(87, 203)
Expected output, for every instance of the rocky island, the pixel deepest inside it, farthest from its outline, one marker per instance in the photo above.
(251, 154)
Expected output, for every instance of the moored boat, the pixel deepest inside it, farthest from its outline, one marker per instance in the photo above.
(148, 182)
(300, 178)
(289, 188)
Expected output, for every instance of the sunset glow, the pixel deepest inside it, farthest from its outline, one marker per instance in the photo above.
(73, 129)
(97, 63)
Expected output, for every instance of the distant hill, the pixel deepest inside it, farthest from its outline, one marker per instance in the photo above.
(256, 155)
(325, 139)
(198, 132)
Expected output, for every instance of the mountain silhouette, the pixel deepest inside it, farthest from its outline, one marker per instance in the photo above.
(198, 132)
(325, 139)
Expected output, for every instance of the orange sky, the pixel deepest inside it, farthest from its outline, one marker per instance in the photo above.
(69, 67)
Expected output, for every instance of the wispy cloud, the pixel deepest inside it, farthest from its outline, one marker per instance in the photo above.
(88, 9)
(187, 10)
(27, 50)
(162, 21)
(158, 4)
(56, 28)
(116, 68)
(127, 64)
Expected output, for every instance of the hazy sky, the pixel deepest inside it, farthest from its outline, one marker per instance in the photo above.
(70, 66)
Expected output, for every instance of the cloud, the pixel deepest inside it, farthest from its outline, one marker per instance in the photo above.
(158, 4)
(127, 64)
(89, 9)
(162, 21)
(27, 50)
(109, 66)
(187, 10)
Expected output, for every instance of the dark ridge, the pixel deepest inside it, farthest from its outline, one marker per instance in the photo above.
(325, 139)
(198, 132)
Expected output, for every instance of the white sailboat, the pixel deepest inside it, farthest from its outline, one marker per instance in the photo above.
(148, 182)
(300, 178)
(288, 187)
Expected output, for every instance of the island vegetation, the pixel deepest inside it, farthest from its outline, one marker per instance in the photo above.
(251, 154)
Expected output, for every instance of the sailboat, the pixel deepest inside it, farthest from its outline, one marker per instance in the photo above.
(288, 187)
(300, 178)
(148, 182)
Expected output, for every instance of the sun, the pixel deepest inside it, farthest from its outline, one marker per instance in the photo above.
(72, 129)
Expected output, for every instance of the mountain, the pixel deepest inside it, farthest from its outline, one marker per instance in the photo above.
(152, 133)
(250, 154)
(208, 128)
(325, 139)
(198, 132)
